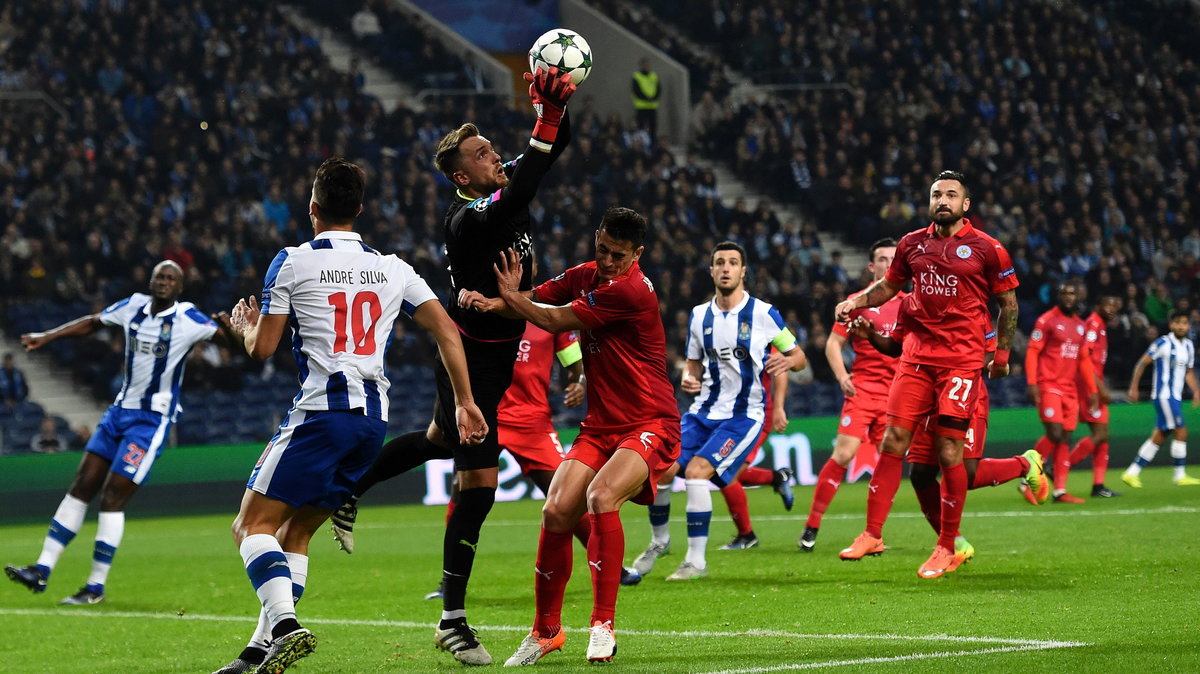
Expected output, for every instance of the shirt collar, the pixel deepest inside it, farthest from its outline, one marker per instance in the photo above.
(162, 314)
(338, 234)
(967, 228)
(736, 308)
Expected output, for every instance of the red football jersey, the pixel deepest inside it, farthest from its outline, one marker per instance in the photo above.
(624, 346)
(526, 404)
(1063, 339)
(953, 277)
(873, 372)
(1096, 332)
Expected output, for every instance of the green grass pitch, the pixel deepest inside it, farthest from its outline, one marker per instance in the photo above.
(1108, 586)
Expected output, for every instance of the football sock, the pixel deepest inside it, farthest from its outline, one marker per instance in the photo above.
(756, 477)
(458, 550)
(1082, 449)
(108, 538)
(885, 482)
(1100, 463)
(739, 510)
(1044, 446)
(992, 472)
(400, 455)
(1144, 456)
(660, 516)
(606, 549)
(66, 523)
(553, 570)
(1062, 466)
(954, 496)
(699, 515)
(930, 498)
(267, 568)
(828, 481)
(256, 649)
(1179, 455)
(583, 531)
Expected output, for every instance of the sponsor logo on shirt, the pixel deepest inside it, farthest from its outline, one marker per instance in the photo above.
(1007, 272)
(934, 283)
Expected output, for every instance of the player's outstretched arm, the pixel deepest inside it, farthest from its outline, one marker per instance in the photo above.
(833, 354)
(1136, 379)
(225, 335)
(779, 387)
(861, 327)
(1006, 327)
(472, 427)
(576, 385)
(260, 333)
(84, 325)
(875, 294)
(549, 318)
(693, 370)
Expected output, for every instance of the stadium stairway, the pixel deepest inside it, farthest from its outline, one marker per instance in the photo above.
(51, 386)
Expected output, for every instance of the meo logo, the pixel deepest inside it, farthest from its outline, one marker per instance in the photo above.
(726, 448)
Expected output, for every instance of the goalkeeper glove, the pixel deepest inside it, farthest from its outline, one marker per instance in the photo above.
(549, 91)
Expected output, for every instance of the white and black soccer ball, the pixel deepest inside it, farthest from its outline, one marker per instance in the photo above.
(564, 49)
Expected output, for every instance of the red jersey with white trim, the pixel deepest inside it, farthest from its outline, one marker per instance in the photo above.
(1063, 341)
(952, 277)
(624, 346)
(526, 403)
(873, 371)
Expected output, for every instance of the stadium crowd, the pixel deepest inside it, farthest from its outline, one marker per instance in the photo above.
(190, 130)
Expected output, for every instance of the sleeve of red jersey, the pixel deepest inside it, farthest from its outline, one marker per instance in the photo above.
(1002, 275)
(899, 272)
(566, 348)
(556, 291)
(612, 302)
(1037, 340)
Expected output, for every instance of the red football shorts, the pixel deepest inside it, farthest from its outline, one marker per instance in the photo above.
(1059, 408)
(864, 416)
(533, 448)
(656, 441)
(1086, 416)
(920, 450)
(923, 390)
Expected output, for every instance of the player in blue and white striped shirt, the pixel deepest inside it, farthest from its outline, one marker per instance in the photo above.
(1173, 356)
(160, 332)
(728, 350)
(340, 298)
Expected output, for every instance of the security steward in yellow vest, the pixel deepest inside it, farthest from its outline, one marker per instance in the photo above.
(646, 90)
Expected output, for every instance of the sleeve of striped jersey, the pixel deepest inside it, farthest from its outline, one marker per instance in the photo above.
(277, 286)
(566, 348)
(416, 290)
(784, 340)
(1152, 352)
(118, 313)
(205, 326)
(1191, 354)
(694, 350)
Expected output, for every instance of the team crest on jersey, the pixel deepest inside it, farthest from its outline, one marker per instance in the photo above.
(963, 252)
(726, 448)
(1036, 335)
(1091, 335)
(846, 420)
(743, 332)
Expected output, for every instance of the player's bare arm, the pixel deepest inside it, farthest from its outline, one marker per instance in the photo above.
(576, 385)
(833, 354)
(546, 317)
(861, 327)
(875, 294)
(693, 370)
(259, 332)
(793, 360)
(84, 325)
(1190, 378)
(472, 427)
(779, 386)
(225, 336)
(1006, 327)
(1138, 369)
(473, 299)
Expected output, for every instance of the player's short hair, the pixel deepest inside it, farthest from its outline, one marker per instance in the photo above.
(447, 155)
(728, 245)
(955, 175)
(168, 263)
(885, 242)
(624, 224)
(338, 190)
(1179, 313)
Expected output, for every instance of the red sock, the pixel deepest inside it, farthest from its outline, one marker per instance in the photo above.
(583, 531)
(954, 496)
(550, 578)
(449, 511)
(1082, 450)
(827, 485)
(606, 550)
(1062, 465)
(885, 482)
(930, 499)
(1044, 447)
(756, 477)
(735, 498)
(1100, 463)
(992, 472)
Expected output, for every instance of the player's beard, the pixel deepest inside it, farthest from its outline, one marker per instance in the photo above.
(945, 218)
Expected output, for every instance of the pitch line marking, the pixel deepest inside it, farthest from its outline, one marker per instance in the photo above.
(1023, 644)
(902, 658)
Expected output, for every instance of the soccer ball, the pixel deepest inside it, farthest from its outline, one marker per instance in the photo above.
(564, 49)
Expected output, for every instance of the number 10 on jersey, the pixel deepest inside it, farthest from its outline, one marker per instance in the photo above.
(362, 331)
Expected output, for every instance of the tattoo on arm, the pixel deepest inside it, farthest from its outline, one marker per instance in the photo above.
(879, 292)
(1007, 321)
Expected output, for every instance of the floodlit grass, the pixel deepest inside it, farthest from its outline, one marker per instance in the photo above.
(1106, 586)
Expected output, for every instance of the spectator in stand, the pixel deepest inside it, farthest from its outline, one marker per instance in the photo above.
(47, 440)
(14, 388)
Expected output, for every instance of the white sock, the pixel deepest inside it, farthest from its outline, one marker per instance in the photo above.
(268, 570)
(1145, 455)
(108, 539)
(298, 565)
(699, 509)
(1179, 453)
(66, 523)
